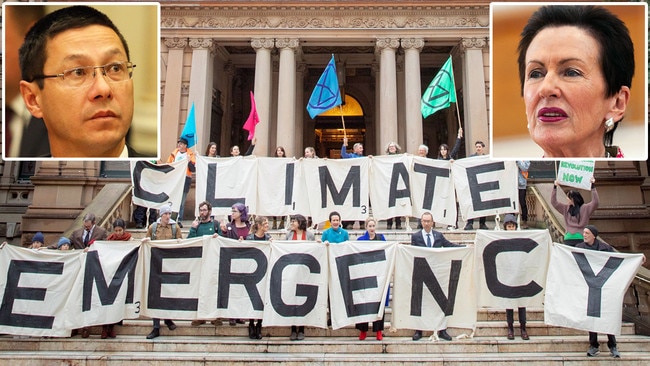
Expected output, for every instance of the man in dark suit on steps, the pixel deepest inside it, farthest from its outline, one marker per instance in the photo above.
(427, 237)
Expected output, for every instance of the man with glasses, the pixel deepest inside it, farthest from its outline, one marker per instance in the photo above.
(76, 76)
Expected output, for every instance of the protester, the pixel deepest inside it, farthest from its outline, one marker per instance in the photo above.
(357, 153)
(81, 238)
(298, 231)
(259, 232)
(279, 153)
(423, 151)
(211, 150)
(310, 153)
(590, 233)
(37, 241)
(163, 229)
(427, 237)
(237, 229)
(234, 150)
(119, 231)
(443, 151)
(576, 212)
(377, 325)
(522, 181)
(393, 149)
(469, 224)
(335, 234)
(510, 223)
(179, 154)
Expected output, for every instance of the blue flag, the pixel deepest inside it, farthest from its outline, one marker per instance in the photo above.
(189, 131)
(326, 94)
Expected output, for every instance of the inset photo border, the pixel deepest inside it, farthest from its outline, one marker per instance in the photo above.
(510, 135)
(139, 23)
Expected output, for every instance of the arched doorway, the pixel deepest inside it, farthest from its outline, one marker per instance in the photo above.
(328, 128)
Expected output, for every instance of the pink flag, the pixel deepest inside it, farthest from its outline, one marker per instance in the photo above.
(253, 119)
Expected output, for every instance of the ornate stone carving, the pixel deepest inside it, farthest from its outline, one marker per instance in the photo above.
(292, 43)
(415, 43)
(175, 42)
(473, 43)
(383, 43)
(258, 43)
(202, 43)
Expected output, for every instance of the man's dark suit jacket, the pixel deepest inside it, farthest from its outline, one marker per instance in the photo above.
(77, 237)
(437, 240)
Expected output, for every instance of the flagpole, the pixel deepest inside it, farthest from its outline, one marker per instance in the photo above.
(458, 116)
(345, 136)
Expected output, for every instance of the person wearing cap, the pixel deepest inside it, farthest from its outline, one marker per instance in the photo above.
(37, 241)
(510, 224)
(163, 229)
(183, 153)
(589, 233)
(64, 244)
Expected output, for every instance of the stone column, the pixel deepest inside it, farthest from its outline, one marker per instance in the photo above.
(474, 93)
(287, 94)
(387, 127)
(299, 106)
(201, 88)
(172, 106)
(413, 93)
(227, 122)
(263, 47)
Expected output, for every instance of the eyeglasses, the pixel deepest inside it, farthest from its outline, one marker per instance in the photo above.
(82, 76)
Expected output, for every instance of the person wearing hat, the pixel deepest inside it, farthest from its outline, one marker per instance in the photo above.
(183, 153)
(589, 233)
(37, 241)
(64, 244)
(510, 224)
(163, 229)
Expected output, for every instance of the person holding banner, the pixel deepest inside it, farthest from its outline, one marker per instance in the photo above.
(259, 232)
(576, 212)
(181, 153)
(335, 234)
(119, 231)
(427, 237)
(377, 325)
(279, 153)
(298, 229)
(590, 242)
(310, 153)
(211, 150)
(393, 149)
(239, 227)
(234, 150)
(82, 237)
(510, 223)
(163, 229)
(443, 152)
(469, 224)
(37, 241)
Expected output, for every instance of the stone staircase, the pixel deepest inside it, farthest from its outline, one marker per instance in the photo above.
(224, 344)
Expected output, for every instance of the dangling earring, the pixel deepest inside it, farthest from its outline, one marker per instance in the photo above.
(609, 125)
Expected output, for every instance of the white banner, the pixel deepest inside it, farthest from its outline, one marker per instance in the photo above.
(585, 288)
(226, 181)
(278, 192)
(511, 267)
(576, 173)
(35, 289)
(433, 288)
(106, 284)
(233, 278)
(485, 187)
(431, 181)
(390, 191)
(337, 185)
(171, 271)
(360, 274)
(156, 185)
(297, 287)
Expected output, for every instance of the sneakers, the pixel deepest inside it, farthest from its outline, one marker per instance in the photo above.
(196, 323)
(301, 336)
(614, 352)
(593, 351)
(451, 228)
(293, 336)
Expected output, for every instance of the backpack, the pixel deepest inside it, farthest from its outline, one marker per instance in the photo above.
(155, 226)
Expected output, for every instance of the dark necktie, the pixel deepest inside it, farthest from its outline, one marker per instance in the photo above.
(429, 240)
(87, 238)
(9, 115)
